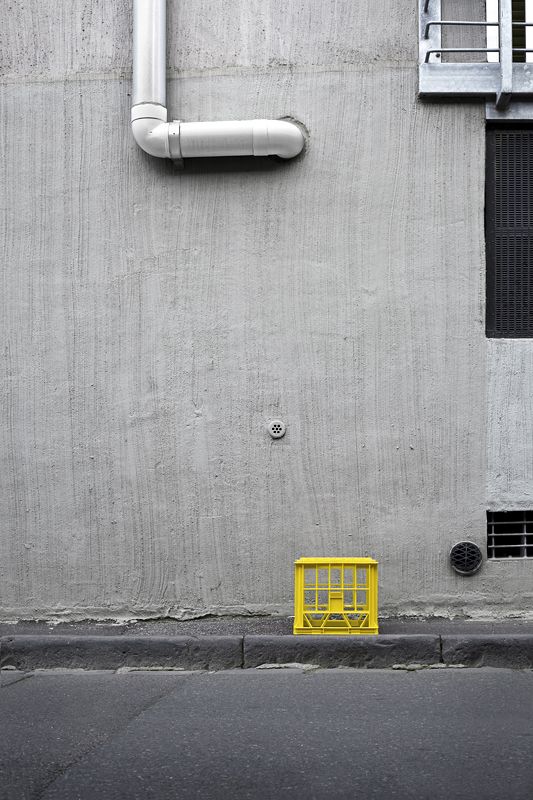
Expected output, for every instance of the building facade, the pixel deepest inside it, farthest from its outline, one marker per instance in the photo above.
(156, 319)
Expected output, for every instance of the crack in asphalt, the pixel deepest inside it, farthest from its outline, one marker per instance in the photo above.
(41, 792)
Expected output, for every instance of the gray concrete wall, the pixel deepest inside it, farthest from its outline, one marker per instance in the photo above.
(510, 424)
(510, 454)
(155, 320)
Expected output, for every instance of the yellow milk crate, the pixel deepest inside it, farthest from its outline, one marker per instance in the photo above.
(336, 596)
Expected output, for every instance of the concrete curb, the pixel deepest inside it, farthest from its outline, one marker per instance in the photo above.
(219, 652)
(113, 652)
(369, 652)
(215, 652)
(478, 650)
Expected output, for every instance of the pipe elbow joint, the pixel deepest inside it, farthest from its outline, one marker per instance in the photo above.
(150, 129)
(278, 137)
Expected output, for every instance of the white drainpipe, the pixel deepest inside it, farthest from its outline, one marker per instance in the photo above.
(176, 140)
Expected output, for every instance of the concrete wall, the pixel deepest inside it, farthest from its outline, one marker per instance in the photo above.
(154, 320)
(510, 424)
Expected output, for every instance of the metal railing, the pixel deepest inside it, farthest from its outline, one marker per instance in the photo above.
(503, 75)
(457, 22)
(439, 51)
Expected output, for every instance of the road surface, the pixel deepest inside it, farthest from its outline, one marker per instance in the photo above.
(274, 734)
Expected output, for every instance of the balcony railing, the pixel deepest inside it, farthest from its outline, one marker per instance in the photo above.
(441, 76)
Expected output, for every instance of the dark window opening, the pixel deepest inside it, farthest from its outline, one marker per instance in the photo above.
(509, 534)
(519, 30)
(509, 230)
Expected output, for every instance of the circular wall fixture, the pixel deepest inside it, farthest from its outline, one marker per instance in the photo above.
(465, 558)
(277, 428)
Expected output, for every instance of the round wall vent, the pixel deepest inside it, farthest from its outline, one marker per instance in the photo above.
(465, 558)
(277, 428)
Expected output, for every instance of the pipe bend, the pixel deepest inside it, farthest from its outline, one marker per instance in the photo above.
(150, 129)
(278, 137)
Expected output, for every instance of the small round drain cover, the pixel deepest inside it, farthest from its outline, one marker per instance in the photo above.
(277, 428)
(465, 558)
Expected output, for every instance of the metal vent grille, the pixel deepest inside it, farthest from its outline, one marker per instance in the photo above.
(465, 558)
(509, 231)
(510, 534)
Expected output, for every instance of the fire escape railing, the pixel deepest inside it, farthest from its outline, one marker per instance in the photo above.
(500, 80)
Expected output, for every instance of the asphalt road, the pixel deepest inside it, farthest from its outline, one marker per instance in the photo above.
(450, 734)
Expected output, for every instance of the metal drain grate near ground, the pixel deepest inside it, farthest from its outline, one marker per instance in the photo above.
(510, 534)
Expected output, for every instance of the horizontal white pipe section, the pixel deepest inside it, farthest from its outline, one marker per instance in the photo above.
(157, 137)
(255, 137)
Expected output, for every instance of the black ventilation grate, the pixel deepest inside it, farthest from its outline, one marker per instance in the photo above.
(510, 534)
(509, 231)
(465, 558)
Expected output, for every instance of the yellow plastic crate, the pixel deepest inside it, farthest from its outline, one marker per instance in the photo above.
(336, 596)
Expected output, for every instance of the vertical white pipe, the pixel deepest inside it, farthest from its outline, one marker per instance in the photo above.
(149, 52)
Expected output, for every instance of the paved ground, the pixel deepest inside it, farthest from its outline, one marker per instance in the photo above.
(273, 734)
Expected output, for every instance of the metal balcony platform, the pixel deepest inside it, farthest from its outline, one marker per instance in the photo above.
(498, 81)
